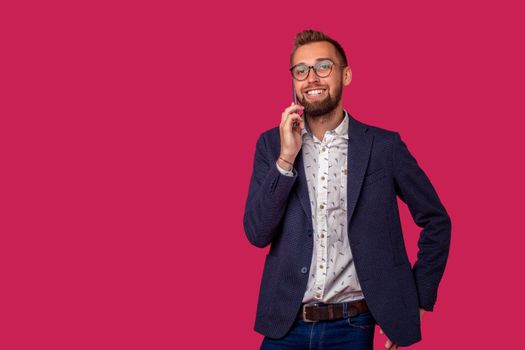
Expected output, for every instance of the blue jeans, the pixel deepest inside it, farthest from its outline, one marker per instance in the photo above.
(353, 333)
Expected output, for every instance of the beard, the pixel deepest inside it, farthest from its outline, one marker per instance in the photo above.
(324, 107)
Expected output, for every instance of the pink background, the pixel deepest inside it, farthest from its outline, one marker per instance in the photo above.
(127, 138)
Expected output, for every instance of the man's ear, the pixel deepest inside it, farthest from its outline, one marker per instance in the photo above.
(347, 76)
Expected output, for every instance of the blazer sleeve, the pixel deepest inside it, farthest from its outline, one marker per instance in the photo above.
(414, 188)
(267, 197)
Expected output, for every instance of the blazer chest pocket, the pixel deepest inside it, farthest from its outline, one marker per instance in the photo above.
(374, 176)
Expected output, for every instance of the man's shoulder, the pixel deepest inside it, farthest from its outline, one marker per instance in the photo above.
(270, 135)
(376, 130)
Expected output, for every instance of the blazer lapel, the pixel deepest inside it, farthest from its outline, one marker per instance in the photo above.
(359, 147)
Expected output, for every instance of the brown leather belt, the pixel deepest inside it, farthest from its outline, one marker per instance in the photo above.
(327, 312)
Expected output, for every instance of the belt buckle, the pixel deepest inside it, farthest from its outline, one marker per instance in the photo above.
(305, 319)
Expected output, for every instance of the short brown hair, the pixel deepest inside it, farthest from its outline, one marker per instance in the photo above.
(311, 36)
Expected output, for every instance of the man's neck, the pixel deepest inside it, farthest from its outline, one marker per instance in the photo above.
(321, 124)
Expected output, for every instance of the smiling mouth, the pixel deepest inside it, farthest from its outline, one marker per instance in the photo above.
(315, 92)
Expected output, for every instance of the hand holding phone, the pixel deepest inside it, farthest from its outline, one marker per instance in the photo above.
(290, 133)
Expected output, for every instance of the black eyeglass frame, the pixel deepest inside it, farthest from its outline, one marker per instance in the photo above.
(314, 68)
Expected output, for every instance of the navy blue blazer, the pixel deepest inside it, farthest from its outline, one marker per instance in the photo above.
(380, 167)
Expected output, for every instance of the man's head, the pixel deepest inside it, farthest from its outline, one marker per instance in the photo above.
(319, 88)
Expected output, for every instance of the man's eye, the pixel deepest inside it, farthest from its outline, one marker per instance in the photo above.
(323, 66)
(300, 70)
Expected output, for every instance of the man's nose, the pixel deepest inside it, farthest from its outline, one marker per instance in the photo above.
(312, 77)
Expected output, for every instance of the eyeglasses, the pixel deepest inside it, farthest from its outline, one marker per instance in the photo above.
(322, 69)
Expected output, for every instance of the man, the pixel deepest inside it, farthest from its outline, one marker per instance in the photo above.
(323, 194)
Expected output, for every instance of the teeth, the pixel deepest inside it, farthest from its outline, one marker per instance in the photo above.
(314, 92)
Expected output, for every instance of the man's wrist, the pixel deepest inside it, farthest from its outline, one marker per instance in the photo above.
(284, 171)
(285, 163)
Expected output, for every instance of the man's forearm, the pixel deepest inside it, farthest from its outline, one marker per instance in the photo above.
(267, 198)
(416, 190)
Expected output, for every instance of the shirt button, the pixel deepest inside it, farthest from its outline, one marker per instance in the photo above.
(322, 235)
(321, 206)
(322, 178)
(322, 266)
(304, 269)
(323, 149)
(318, 296)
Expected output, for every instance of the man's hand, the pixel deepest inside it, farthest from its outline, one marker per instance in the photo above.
(290, 133)
(389, 344)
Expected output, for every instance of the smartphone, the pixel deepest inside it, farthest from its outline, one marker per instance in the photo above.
(295, 101)
(294, 94)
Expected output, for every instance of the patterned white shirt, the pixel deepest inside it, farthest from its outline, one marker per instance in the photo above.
(333, 278)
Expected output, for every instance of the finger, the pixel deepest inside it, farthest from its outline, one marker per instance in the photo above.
(286, 115)
(299, 124)
(291, 109)
(295, 107)
(288, 122)
(293, 125)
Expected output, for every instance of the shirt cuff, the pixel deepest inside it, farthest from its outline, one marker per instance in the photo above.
(283, 171)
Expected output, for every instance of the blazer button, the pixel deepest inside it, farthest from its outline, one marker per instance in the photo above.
(304, 269)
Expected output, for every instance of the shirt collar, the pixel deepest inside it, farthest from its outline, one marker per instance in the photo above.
(341, 130)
